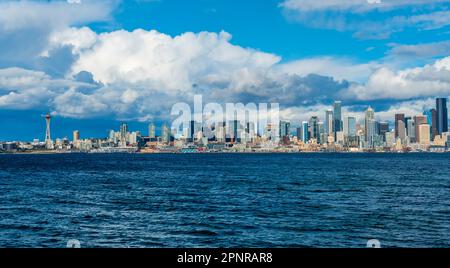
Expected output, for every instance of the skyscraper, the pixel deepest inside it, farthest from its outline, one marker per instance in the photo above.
(419, 120)
(76, 135)
(431, 120)
(151, 131)
(401, 130)
(337, 117)
(441, 115)
(370, 115)
(349, 126)
(329, 129)
(285, 129)
(314, 127)
(305, 136)
(165, 133)
(411, 129)
(424, 134)
(123, 132)
(398, 117)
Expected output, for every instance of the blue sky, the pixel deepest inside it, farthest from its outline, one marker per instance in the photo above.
(94, 64)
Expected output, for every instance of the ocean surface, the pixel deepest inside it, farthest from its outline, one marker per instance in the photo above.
(225, 200)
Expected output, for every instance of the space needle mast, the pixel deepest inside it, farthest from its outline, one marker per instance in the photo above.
(48, 139)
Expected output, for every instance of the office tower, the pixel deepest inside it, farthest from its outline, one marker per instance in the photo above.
(419, 120)
(424, 134)
(76, 135)
(191, 131)
(371, 131)
(220, 132)
(441, 115)
(235, 127)
(329, 129)
(299, 133)
(389, 137)
(337, 118)
(433, 124)
(305, 127)
(383, 127)
(165, 133)
(370, 115)
(349, 126)
(401, 130)
(285, 129)
(151, 131)
(398, 117)
(321, 130)
(411, 130)
(314, 127)
(123, 132)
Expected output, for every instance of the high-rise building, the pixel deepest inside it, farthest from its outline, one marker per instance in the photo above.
(285, 129)
(398, 117)
(401, 130)
(123, 132)
(371, 131)
(165, 133)
(337, 117)
(329, 123)
(305, 132)
(424, 134)
(349, 125)
(299, 133)
(411, 130)
(419, 120)
(431, 120)
(314, 127)
(441, 115)
(383, 128)
(370, 115)
(76, 135)
(151, 131)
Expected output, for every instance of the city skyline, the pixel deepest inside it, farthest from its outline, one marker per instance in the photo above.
(334, 132)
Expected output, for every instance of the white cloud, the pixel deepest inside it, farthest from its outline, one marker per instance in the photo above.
(53, 14)
(430, 80)
(162, 62)
(353, 15)
(339, 68)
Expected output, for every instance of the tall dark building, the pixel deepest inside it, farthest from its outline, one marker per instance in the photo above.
(337, 117)
(441, 115)
(398, 117)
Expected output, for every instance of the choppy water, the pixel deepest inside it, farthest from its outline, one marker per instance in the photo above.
(225, 200)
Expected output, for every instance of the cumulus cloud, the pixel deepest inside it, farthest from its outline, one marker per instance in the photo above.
(139, 75)
(355, 15)
(430, 80)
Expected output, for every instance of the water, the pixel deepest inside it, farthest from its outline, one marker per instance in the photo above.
(225, 200)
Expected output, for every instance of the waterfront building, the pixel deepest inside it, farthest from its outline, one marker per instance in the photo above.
(398, 118)
(411, 130)
(329, 123)
(369, 115)
(441, 115)
(305, 132)
(349, 126)
(337, 117)
(314, 127)
(401, 131)
(419, 120)
(424, 134)
(76, 135)
(151, 131)
(285, 129)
